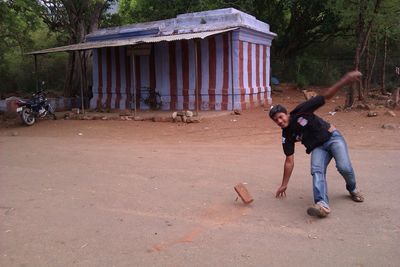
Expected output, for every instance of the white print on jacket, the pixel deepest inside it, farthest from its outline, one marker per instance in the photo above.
(302, 121)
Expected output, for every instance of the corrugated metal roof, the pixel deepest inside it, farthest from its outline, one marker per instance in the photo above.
(130, 41)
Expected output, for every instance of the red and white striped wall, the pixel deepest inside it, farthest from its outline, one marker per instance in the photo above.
(170, 70)
(112, 78)
(253, 74)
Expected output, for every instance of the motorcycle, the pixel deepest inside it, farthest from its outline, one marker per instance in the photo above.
(37, 107)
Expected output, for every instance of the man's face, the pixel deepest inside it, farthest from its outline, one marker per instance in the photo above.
(281, 119)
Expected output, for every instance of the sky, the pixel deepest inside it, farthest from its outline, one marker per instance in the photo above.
(114, 8)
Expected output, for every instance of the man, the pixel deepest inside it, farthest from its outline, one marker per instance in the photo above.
(322, 140)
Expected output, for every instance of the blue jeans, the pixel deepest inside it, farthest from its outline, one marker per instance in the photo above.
(335, 147)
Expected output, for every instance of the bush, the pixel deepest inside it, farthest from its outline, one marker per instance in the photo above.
(308, 70)
(301, 81)
(17, 70)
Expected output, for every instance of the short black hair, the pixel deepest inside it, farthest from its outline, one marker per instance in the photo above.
(277, 109)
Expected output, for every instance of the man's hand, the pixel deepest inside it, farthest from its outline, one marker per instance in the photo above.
(281, 191)
(353, 76)
(287, 171)
(349, 77)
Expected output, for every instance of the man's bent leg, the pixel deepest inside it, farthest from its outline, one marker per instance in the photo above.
(320, 159)
(339, 151)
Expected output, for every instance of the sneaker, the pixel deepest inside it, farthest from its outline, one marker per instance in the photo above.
(357, 196)
(318, 210)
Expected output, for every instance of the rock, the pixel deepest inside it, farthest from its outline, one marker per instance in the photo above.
(184, 119)
(390, 103)
(14, 134)
(193, 120)
(189, 113)
(390, 126)
(338, 108)
(75, 110)
(160, 119)
(137, 118)
(387, 93)
(370, 106)
(390, 113)
(372, 114)
(125, 112)
(86, 117)
(104, 118)
(361, 106)
(126, 118)
(183, 115)
(71, 116)
(96, 117)
(237, 112)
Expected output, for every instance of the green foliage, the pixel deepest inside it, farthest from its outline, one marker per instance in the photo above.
(309, 69)
(315, 45)
(298, 23)
(133, 11)
(15, 25)
(22, 31)
(18, 74)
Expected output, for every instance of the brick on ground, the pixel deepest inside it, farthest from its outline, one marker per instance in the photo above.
(243, 193)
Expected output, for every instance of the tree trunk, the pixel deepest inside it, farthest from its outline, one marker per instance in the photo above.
(354, 87)
(367, 69)
(383, 86)
(359, 30)
(69, 75)
(362, 40)
(72, 79)
(80, 26)
(373, 62)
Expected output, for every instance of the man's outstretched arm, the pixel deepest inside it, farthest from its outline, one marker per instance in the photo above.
(346, 79)
(287, 171)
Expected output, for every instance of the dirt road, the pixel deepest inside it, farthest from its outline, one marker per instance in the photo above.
(123, 193)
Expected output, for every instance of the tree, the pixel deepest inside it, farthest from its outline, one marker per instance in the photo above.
(310, 22)
(76, 19)
(299, 23)
(17, 22)
(387, 29)
(360, 18)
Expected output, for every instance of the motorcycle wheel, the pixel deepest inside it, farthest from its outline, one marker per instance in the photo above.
(27, 117)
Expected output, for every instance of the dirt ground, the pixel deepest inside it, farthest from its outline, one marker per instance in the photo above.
(130, 193)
